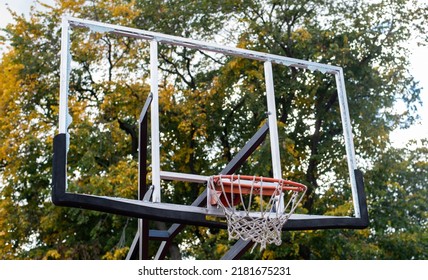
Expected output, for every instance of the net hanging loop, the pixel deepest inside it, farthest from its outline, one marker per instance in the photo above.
(256, 208)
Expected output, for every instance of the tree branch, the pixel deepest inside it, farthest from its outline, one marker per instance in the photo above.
(131, 130)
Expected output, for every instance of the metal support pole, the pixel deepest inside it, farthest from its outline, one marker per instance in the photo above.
(273, 131)
(349, 142)
(155, 121)
(64, 76)
(238, 249)
(140, 245)
(273, 126)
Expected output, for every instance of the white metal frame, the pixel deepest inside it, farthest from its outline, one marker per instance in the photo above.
(268, 59)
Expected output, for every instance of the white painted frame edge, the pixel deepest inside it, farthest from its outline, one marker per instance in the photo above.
(64, 119)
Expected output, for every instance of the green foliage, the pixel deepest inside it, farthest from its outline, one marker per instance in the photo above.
(210, 106)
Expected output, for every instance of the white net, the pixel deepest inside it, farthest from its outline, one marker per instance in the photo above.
(255, 208)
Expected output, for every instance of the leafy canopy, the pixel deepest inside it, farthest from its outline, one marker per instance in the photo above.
(210, 106)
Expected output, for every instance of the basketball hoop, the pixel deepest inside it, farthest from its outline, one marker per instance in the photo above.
(255, 207)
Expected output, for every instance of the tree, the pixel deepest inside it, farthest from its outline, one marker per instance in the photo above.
(399, 211)
(109, 73)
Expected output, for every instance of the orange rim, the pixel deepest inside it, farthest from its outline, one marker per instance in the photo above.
(234, 184)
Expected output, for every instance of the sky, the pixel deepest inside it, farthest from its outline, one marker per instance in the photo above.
(399, 137)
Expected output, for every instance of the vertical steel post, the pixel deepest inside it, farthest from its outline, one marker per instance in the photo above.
(349, 142)
(64, 116)
(155, 121)
(64, 76)
(273, 132)
(272, 119)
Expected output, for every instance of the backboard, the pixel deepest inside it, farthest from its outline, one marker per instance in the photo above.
(269, 134)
